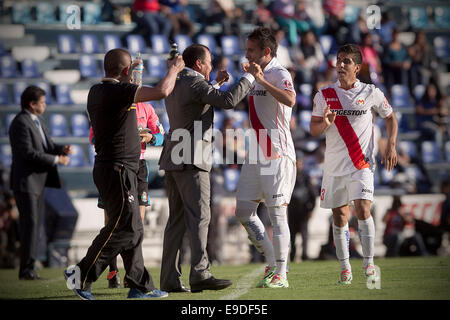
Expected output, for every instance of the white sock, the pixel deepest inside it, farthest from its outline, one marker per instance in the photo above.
(341, 237)
(246, 214)
(281, 238)
(366, 230)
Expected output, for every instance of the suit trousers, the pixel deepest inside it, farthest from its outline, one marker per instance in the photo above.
(124, 232)
(188, 192)
(30, 208)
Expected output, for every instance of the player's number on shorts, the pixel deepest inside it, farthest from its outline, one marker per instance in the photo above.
(73, 21)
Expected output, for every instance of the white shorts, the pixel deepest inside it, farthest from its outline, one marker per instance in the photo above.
(272, 184)
(340, 191)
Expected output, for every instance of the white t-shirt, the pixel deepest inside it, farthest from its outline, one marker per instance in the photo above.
(350, 140)
(265, 112)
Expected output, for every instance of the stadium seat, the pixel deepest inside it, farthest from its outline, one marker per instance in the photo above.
(9, 118)
(351, 14)
(183, 41)
(48, 91)
(387, 176)
(21, 13)
(58, 125)
(45, 13)
(5, 155)
(92, 13)
(304, 95)
(66, 44)
(231, 176)
(430, 152)
(135, 44)
(400, 96)
(230, 45)
(89, 44)
(442, 16)
(414, 173)
(239, 118)
(305, 119)
(418, 17)
(441, 47)
(18, 88)
(30, 69)
(157, 67)
(77, 158)
(80, 125)
(447, 151)
(8, 67)
(4, 95)
(408, 147)
(62, 92)
(88, 67)
(159, 106)
(218, 120)
(111, 41)
(327, 43)
(63, 13)
(91, 154)
(418, 92)
(209, 41)
(159, 43)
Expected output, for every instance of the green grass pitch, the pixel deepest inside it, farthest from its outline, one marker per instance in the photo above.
(401, 278)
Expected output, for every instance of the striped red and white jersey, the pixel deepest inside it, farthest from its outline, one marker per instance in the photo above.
(270, 118)
(350, 141)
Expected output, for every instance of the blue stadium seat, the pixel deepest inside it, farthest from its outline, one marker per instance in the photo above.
(111, 41)
(66, 44)
(304, 95)
(400, 96)
(230, 45)
(30, 69)
(62, 92)
(92, 13)
(218, 120)
(48, 91)
(21, 13)
(58, 125)
(157, 67)
(88, 67)
(239, 118)
(18, 88)
(159, 43)
(231, 176)
(9, 118)
(305, 119)
(209, 41)
(430, 152)
(387, 176)
(135, 44)
(5, 155)
(442, 16)
(45, 13)
(441, 47)
(8, 67)
(63, 14)
(159, 106)
(165, 122)
(403, 122)
(447, 151)
(418, 92)
(183, 41)
(4, 95)
(414, 173)
(89, 44)
(408, 147)
(91, 154)
(80, 125)
(418, 17)
(328, 44)
(77, 158)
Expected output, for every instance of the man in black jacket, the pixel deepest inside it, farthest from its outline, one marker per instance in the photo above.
(34, 160)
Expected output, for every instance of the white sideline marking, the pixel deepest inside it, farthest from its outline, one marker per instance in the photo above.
(244, 284)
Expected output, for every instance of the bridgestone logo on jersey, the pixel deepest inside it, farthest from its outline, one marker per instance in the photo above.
(341, 112)
(258, 92)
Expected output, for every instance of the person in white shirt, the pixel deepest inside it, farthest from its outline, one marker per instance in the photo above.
(271, 176)
(343, 111)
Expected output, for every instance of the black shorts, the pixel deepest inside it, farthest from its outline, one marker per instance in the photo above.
(142, 186)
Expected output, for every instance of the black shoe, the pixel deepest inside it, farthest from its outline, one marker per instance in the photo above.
(179, 289)
(210, 284)
(113, 280)
(29, 275)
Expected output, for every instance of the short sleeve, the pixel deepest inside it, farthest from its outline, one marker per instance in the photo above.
(284, 80)
(128, 93)
(319, 105)
(381, 104)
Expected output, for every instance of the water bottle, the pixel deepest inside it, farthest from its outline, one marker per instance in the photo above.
(138, 70)
(173, 51)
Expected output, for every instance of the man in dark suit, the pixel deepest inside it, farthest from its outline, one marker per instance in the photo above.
(34, 160)
(187, 164)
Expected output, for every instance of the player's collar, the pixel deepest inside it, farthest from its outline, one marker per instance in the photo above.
(355, 85)
(271, 64)
(110, 80)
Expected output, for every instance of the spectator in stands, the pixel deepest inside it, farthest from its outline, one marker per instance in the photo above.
(263, 17)
(227, 14)
(309, 58)
(400, 227)
(283, 52)
(9, 231)
(423, 60)
(396, 62)
(334, 15)
(149, 19)
(387, 25)
(300, 208)
(327, 77)
(431, 114)
(285, 16)
(175, 11)
(371, 68)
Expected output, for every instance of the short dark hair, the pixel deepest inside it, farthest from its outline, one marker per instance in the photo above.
(265, 38)
(193, 53)
(30, 94)
(353, 50)
(115, 62)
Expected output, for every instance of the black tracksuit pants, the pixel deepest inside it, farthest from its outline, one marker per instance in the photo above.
(117, 186)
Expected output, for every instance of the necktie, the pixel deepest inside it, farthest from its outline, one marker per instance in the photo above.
(38, 123)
